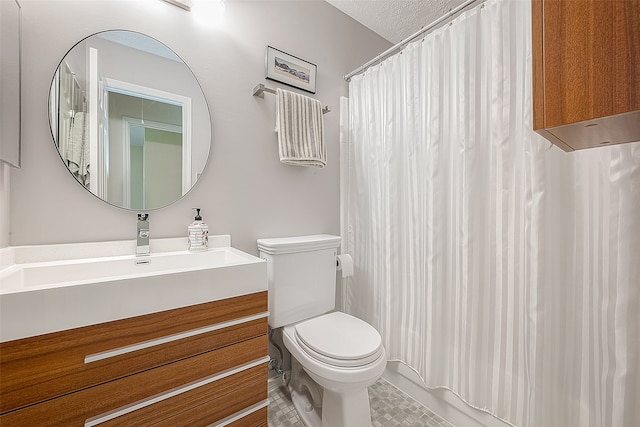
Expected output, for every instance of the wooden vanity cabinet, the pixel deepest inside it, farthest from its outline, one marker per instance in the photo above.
(197, 365)
(586, 71)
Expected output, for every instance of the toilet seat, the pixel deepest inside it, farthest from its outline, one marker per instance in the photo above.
(339, 339)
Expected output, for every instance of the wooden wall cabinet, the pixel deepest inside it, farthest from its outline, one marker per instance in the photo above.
(199, 365)
(586, 71)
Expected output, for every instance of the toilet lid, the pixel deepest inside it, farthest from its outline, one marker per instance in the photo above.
(339, 339)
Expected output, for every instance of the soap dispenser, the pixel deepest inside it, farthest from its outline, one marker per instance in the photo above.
(198, 234)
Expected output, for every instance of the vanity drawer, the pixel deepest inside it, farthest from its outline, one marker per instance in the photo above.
(160, 393)
(257, 418)
(39, 368)
(203, 405)
(252, 391)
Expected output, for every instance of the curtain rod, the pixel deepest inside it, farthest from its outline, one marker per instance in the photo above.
(398, 46)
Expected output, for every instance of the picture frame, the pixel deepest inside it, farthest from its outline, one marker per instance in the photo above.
(290, 70)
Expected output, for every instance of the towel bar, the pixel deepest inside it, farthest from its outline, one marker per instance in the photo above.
(260, 89)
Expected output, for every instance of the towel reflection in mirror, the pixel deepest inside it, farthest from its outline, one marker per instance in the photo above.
(72, 127)
(77, 151)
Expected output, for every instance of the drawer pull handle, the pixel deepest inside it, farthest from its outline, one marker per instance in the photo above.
(169, 338)
(241, 414)
(99, 419)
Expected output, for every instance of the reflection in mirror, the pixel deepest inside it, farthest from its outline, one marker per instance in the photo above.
(129, 120)
(155, 140)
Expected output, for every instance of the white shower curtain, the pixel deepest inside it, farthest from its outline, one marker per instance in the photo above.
(493, 264)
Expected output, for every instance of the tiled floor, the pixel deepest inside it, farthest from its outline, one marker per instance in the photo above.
(389, 408)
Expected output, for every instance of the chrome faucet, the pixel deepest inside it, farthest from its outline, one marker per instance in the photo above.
(142, 244)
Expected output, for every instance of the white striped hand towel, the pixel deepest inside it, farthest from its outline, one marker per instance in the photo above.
(300, 130)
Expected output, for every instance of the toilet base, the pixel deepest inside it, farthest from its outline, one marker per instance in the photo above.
(346, 409)
(323, 407)
(306, 396)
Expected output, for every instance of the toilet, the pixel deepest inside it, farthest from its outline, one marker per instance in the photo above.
(335, 356)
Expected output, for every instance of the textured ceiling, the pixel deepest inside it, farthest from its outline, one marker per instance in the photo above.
(395, 20)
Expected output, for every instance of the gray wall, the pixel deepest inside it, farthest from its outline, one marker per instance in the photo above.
(244, 191)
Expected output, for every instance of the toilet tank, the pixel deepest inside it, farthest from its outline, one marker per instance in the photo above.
(302, 276)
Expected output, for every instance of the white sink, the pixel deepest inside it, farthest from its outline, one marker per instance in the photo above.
(46, 275)
(50, 288)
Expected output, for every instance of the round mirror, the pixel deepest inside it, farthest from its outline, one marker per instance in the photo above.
(129, 120)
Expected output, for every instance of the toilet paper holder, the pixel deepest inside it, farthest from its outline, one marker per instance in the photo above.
(344, 263)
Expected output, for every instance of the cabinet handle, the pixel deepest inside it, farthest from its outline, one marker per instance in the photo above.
(169, 338)
(241, 414)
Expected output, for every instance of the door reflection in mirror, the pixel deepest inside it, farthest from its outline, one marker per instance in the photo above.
(145, 151)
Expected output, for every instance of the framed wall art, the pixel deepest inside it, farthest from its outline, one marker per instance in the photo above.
(291, 70)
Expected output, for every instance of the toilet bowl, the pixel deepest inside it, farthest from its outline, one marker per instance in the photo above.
(343, 355)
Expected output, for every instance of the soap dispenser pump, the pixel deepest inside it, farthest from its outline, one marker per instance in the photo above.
(198, 234)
